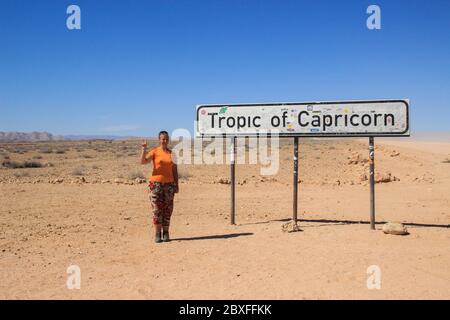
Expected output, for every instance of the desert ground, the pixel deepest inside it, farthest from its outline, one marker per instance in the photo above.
(85, 203)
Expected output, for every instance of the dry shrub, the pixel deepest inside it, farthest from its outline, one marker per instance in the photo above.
(21, 174)
(183, 174)
(136, 174)
(25, 164)
(79, 171)
(46, 150)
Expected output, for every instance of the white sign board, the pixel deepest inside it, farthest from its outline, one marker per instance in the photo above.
(311, 119)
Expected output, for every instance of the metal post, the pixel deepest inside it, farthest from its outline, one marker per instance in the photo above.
(294, 213)
(232, 174)
(372, 183)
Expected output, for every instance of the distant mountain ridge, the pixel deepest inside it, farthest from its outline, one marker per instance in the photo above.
(29, 136)
(94, 137)
(15, 136)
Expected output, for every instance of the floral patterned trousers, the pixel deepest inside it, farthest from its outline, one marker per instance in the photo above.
(161, 197)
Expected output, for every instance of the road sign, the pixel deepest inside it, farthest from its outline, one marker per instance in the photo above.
(309, 119)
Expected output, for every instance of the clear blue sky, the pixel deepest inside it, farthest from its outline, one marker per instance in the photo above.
(137, 67)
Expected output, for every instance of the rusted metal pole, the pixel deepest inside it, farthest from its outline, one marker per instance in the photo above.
(295, 195)
(233, 178)
(372, 182)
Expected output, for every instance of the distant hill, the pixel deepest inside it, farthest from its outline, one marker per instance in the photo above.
(28, 136)
(96, 137)
(46, 136)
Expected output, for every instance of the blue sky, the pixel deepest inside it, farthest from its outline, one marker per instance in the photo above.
(137, 67)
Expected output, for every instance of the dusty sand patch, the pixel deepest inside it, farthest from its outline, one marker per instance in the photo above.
(106, 230)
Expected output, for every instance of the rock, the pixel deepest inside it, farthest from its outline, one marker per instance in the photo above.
(118, 181)
(424, 178)
(385, 177)
(356, 158)
(140, 180)
(105, 181)
(363, 177)
(395, 228)
(290, 226)
(242, 182)
(223, 181)
(58, 180)
(395, 154)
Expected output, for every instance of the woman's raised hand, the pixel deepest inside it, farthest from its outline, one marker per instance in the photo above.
(144, 143)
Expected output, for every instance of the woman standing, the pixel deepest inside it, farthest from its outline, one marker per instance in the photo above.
(163, 184)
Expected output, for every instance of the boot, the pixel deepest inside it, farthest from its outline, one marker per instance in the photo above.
(166, 236)
(158, 237)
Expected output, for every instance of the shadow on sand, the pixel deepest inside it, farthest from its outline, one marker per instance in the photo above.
(349, 222)
(219, 236)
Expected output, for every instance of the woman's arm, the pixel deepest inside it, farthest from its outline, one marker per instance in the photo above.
(144, 152)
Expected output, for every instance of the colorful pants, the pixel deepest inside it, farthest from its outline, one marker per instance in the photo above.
(161, 196)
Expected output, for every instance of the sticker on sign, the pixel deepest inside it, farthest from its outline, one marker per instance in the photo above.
(312, 119)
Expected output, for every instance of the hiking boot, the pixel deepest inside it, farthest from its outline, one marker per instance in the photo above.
(166, 236)
(158, 237)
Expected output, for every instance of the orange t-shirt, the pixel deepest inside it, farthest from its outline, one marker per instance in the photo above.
(162, 165)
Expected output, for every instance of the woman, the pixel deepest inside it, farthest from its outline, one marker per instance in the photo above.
(163, 184)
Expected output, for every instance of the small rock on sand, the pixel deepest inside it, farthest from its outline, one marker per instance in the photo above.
(223, 181)
(290, 226)
(395, 228)
(140, 180)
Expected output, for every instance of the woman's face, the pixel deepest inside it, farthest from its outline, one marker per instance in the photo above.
(163, 140)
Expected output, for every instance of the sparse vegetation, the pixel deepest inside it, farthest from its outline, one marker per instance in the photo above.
(136, 174)
(46, 150)
(18, 150)
(79, 171)
(21, 174)
(446, 161)
(183, 174)
(25, 164)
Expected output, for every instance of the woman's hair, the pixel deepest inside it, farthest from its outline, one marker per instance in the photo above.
(163, 132)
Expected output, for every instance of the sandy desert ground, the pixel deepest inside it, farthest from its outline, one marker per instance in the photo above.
(85, 203)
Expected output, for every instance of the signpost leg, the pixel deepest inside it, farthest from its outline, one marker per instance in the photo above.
(372, 183)
(232, 174)
(294, 212)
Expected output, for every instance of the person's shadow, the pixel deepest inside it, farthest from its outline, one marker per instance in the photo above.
(218, 236)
